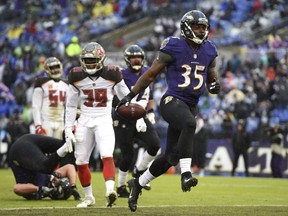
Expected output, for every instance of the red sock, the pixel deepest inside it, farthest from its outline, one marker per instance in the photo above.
(108, 168)
(84, 175)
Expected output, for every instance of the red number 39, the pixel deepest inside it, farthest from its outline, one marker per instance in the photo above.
(95, 97)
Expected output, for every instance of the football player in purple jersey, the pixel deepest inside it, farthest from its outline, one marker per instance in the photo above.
(142, 130)
(190, 62)
(92, 87)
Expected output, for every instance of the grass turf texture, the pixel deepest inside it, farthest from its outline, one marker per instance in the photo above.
(212, 196)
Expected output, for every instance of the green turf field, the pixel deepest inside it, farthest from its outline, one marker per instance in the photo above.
(212, 196)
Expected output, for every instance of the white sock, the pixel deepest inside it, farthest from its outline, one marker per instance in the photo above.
(122, 177)
(146, 159)
(140, 154)
(88, 191)
(185, 165)
(109, 186)
(62, 151)
(145, 178)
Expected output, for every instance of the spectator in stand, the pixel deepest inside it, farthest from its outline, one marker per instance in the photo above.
(5, 143)
(6, 46)
(215, 122)
(227, 8)
(234, 64)
(133, 11)
(250, 98)
(3, 118)
(228, 80)
(281, 89)
(252, 124)
(73, 49)
(274, 41)
(15, 31)
(39, 68)
(241, 110)
(16, 126)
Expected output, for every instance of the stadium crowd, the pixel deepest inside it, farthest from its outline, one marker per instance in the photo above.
(254, 79)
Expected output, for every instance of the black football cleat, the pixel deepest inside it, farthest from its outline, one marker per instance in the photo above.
(188, 182)
(122, 191)
(135, 191)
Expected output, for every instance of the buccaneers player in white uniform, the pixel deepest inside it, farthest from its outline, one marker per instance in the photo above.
(93, 85)
(48, 100)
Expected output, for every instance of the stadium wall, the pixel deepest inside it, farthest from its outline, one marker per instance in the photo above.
(219, 159)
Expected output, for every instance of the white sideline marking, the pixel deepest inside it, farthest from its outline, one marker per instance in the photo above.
(150, 206)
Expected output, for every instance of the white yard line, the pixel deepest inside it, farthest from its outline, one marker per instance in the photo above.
(150, 206)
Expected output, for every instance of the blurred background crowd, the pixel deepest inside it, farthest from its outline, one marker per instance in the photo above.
(251, 36)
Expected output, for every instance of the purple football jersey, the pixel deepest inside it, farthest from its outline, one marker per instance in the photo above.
(186, 75)
(131, 78)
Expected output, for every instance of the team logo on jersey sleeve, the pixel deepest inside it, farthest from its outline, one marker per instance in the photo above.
(168, 99)
(164, 43)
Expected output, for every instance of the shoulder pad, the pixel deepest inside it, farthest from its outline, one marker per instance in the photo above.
(171, 41)
(112, 73)
(210, 48)
(172, 46)
(76, 74)
(40, 81)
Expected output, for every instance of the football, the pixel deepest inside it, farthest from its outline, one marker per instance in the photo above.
(131, 112)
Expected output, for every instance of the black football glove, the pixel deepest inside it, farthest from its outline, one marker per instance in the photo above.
(125, 101)
(75, 193)
(46, 191)
(64, 190)
(214, 87)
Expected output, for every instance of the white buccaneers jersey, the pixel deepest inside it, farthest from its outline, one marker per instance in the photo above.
(48, 100)
(94, 94)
